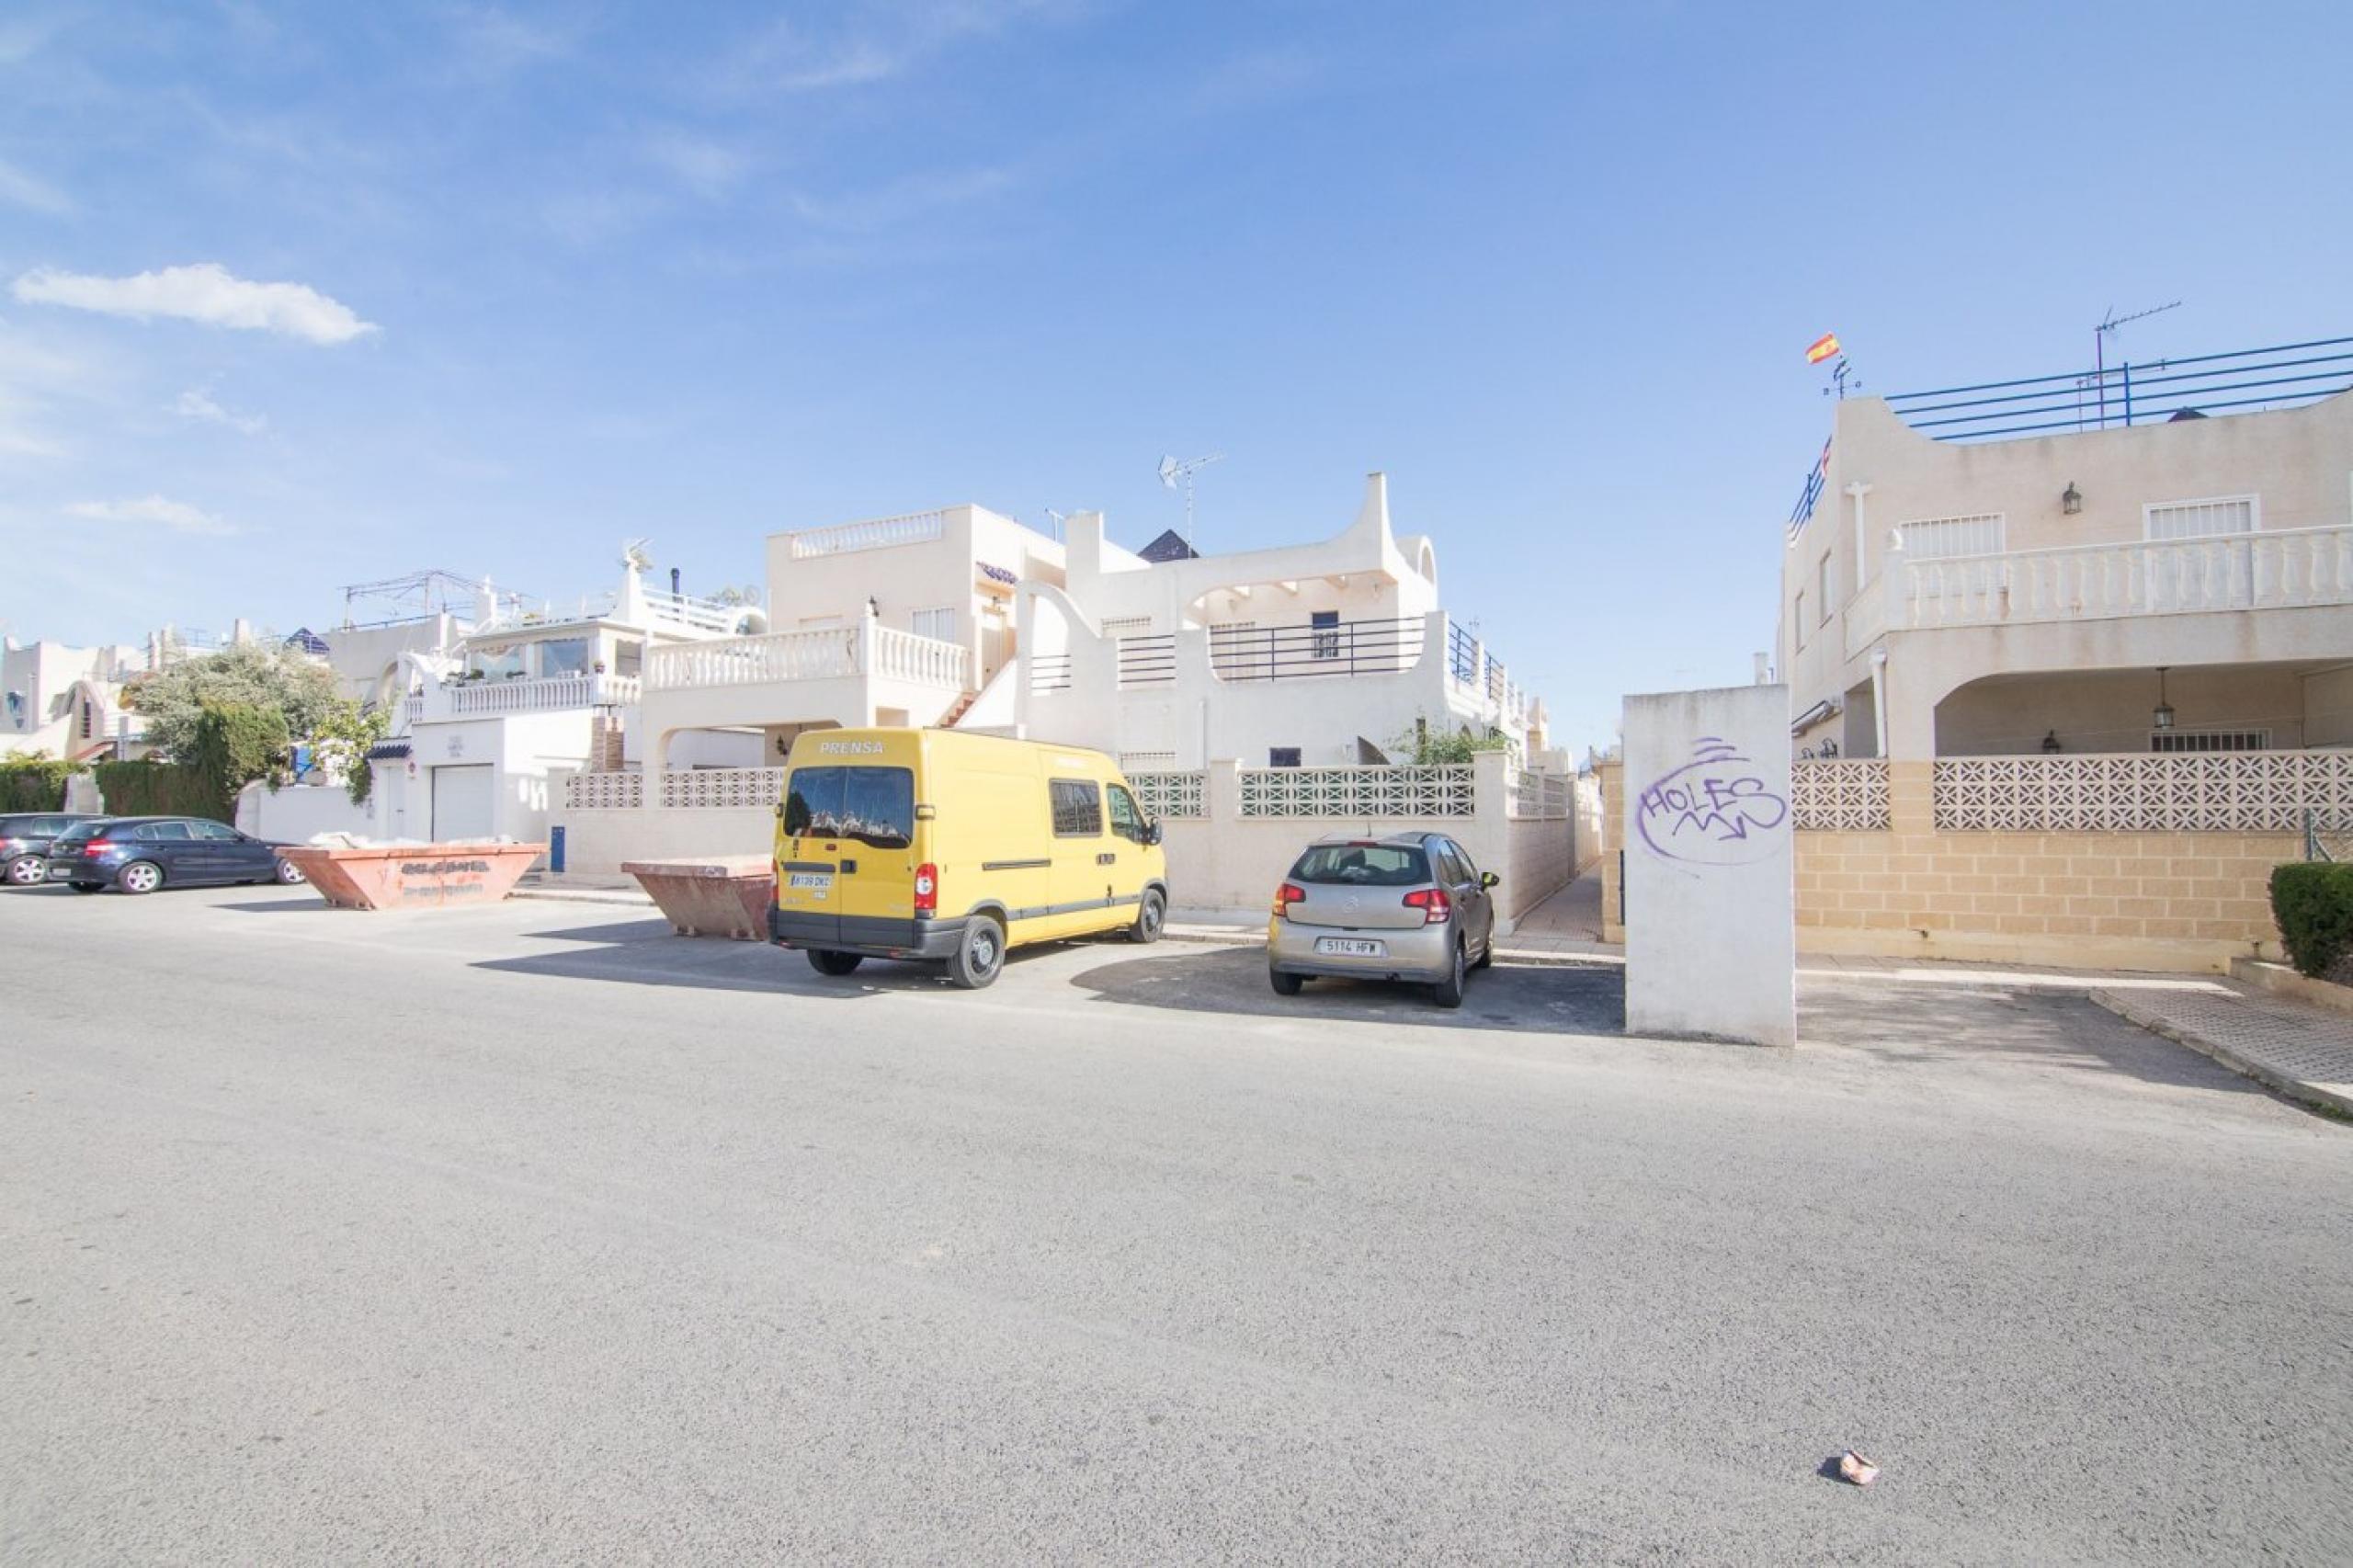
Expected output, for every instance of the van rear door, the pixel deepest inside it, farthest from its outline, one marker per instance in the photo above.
(846, 867)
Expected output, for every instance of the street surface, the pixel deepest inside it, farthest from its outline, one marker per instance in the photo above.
(533, 1234)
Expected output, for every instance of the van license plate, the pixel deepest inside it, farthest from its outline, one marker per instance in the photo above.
(1346, 948)
(819, 883)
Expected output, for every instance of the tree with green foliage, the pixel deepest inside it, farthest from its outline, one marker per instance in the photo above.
(341, 741)
(264, 675)
(1424, 743)
(236, 744)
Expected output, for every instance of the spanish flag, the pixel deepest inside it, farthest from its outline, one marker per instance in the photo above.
(1823, 348)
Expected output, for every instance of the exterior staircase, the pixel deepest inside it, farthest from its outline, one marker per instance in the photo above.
(963, 706)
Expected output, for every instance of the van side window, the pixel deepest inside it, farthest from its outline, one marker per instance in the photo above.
(1126, 820)
(1078, 808)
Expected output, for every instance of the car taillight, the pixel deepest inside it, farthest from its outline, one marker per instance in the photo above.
(927, 888)
(1436, 907)
(1287, 895)
(95, 845)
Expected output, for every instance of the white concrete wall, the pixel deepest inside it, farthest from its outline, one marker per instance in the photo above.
(367, 659)
(1711, 934)
(294, 813)
(527, 750)
(597, 843)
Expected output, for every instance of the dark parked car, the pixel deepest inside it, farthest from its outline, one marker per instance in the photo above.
(24, 842)
(141, 854)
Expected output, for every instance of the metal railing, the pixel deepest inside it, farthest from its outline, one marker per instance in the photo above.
(882, 533)
(2279, 377)
(2275, 568)
(1288, 652)
(1148, 660)
(1049, 672)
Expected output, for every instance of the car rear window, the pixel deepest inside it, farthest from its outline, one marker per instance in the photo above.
(872, 806)
(79, 831)
(1363, 865)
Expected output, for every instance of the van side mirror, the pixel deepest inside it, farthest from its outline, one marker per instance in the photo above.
(1488, 878)
(1152, 833)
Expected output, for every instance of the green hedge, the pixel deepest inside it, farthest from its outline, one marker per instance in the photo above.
(33, 784)
(2312, 900)
(161, 790)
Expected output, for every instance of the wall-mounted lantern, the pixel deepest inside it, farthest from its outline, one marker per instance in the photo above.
(2162, 717)
(2051, 746)
(2071, 500)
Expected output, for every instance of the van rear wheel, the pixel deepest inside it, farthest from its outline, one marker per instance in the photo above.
(980, 956)
(824, 960)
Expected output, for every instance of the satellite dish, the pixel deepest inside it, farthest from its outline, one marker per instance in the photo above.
(635, 557)
(1169, 471)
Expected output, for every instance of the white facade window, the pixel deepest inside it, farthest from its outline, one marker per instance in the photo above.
(1933, 538)
(2200, 519)
(1798, 619)
(2210, 740)
(1821, 586)
(1127, 625)
(937, 624)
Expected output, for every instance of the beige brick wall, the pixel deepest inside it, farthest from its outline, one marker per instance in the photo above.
(2177, 900)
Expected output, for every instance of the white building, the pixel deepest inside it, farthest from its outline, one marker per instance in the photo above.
(67, 702)
(525, 692)
(2150, 580)
(1326, 654)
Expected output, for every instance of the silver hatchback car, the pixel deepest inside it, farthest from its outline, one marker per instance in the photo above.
(1408, 907)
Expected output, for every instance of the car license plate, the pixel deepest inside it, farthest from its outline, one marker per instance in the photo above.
(818, 883)
(1348, 948)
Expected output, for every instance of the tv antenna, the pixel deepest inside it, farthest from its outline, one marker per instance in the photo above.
(2106, 330)
(636, 556)
(1054, 521)
(1173, 472)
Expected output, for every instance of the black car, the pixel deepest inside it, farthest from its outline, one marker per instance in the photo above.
(24, 842)
(141, 854)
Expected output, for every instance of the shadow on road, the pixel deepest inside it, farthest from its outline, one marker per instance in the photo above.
(1536, 1000)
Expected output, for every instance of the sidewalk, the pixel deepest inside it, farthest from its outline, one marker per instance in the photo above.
(2304, 1051)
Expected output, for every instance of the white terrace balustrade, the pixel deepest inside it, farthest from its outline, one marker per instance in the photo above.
(2270, 568)
(915, 528)
(474, 699)
(828, 653)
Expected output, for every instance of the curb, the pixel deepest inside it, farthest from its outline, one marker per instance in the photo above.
(2292, 1088)
(1523, 957)
(585, 895)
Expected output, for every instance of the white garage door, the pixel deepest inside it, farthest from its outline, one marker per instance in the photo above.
(462, 799)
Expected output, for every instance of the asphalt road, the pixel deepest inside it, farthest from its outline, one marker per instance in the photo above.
(533, 1234)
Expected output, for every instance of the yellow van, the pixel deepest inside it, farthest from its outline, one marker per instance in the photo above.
(927, 843)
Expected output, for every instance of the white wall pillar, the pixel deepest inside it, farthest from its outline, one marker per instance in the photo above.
(1711, 914)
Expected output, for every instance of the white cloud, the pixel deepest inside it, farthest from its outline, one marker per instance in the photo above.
(197, 402)
(21, 188)
(152, 511)
(874, 43)
(708, 168)
(206, 293)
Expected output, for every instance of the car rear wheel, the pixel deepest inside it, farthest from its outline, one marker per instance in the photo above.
(290, 874)
(1448, 993)
(824, 960)
(26, 870)
(1285, 984)
(981, 956)
(140, 876)
(1151, 916)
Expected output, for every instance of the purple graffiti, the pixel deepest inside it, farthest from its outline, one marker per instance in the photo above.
(1713, 811)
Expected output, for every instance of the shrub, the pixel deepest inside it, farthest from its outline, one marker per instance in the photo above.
(33, 783)
(237, 743)
(161, 789)
(2313, 902)
(259, 675)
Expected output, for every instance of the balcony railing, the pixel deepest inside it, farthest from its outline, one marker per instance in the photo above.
(916, 527)
(830, 653)
(2273, 569)
(1344, 648)
(2146, 393)
(477, 699)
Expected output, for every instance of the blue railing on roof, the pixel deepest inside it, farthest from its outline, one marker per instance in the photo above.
(2133, 395)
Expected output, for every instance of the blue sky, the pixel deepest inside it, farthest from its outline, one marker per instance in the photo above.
(555, 277)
